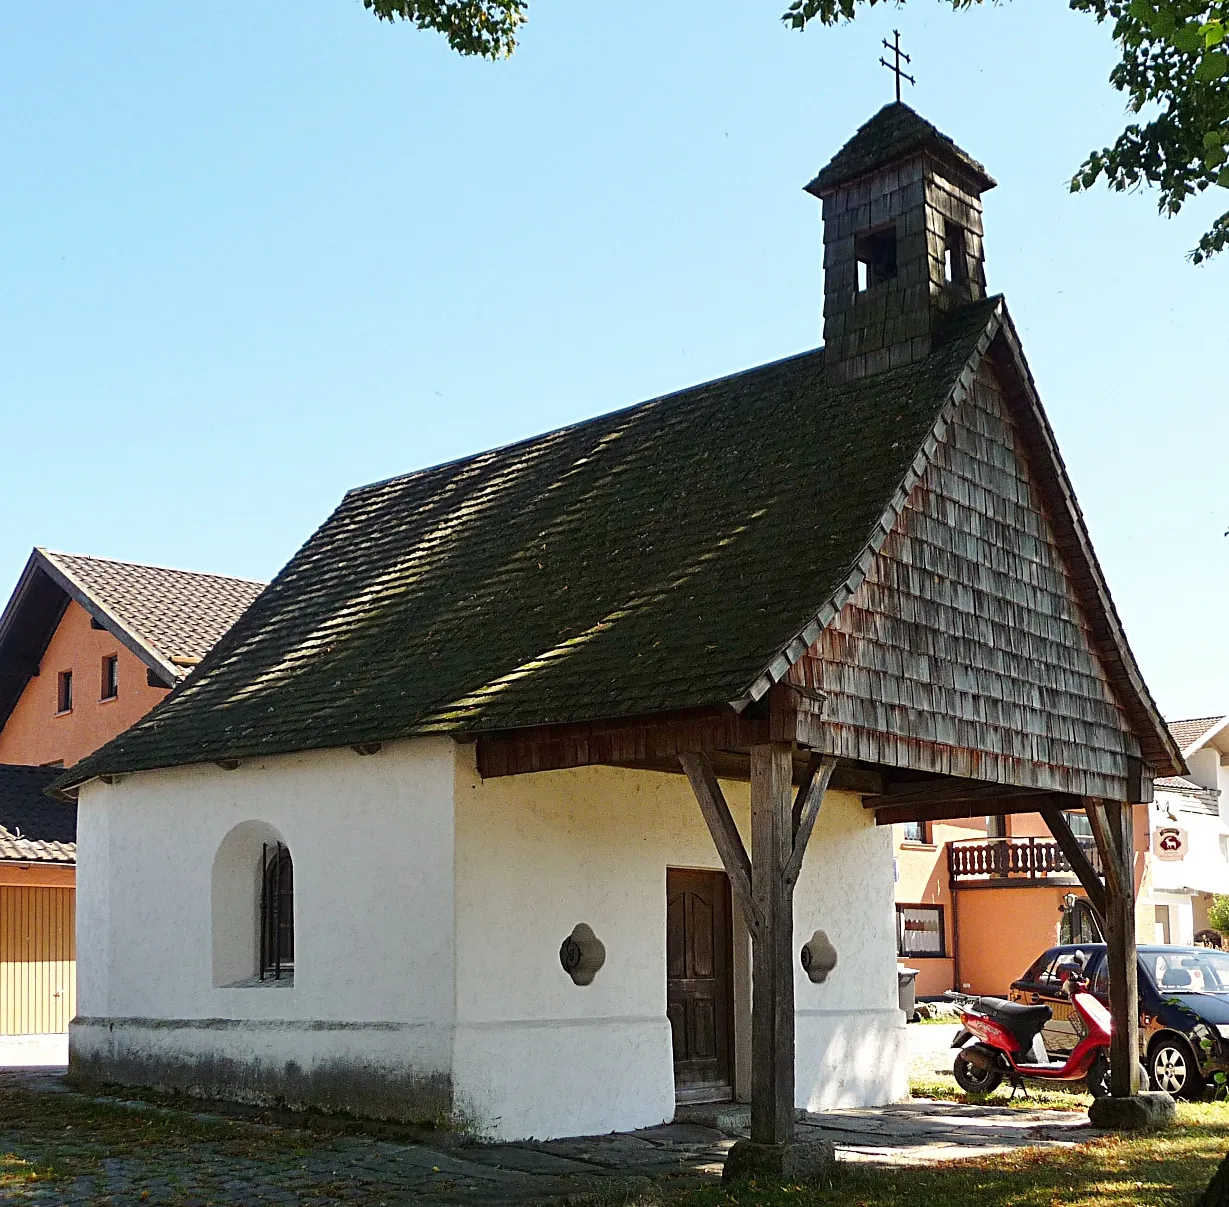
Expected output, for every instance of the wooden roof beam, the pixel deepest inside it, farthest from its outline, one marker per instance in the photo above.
(956, 810)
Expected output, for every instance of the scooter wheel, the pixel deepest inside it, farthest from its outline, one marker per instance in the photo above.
(1098, 1078)
(973, 1079)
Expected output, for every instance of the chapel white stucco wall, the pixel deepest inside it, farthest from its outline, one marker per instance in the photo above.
(372, 1000)
(429, 911)
(536, 1055)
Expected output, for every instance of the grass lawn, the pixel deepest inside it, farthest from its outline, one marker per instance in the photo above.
(1169, 1169)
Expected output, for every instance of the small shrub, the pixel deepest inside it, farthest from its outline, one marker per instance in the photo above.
(1218, 915)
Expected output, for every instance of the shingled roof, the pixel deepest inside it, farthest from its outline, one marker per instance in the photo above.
(893, 133)
(34, 829)
(168, 618)
(658, 558)
(624, 565)
(1189, 733)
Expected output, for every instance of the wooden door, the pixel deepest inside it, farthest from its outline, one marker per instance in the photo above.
(699, 985)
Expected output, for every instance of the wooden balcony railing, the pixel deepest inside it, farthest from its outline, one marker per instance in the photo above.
(1021, 860)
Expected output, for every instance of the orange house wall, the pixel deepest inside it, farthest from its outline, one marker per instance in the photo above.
(921, 879)
(34, 733)
(1003, 930)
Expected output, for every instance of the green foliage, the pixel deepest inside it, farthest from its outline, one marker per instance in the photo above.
(1175, 65)
(1218, 914)
(487, 28)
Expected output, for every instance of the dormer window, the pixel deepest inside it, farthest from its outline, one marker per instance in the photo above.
(875, 252)
(955, 262)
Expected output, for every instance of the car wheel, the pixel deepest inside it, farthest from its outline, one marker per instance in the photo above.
(1172, 1068)
(973, 1079)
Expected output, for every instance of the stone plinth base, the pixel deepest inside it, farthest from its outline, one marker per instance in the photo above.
(800, 1162)
(1151, 1110)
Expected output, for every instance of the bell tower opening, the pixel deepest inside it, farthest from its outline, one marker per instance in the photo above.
(876, 255)
(902, 241)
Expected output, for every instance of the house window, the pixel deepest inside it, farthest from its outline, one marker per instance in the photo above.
(277, 914)
(996, 826)
(875, 253)
(1079, 924)
(916, 831)
(919, 931)
(64, 692)
(1079, 824)
(110, 677)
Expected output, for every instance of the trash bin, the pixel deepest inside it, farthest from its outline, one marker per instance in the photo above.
(906, 991)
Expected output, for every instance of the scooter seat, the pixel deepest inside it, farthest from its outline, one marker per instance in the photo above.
(1022, 1021)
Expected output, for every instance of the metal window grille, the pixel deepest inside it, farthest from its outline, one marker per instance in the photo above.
(276, 913)
(920, 931)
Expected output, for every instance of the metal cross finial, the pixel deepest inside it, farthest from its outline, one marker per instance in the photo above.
(895, 67)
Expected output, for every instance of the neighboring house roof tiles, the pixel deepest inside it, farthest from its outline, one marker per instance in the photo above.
(1179, 783)
(168, 618)
(659, 558)
(893, 133)
(1189, 733)
(180, 614)
(33, 828)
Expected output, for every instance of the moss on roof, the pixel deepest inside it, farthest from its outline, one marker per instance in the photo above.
(894, 133)
(652, 559)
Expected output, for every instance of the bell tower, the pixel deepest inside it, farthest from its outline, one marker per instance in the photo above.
(902, 220)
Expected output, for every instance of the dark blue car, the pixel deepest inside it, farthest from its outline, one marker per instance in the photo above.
(1183, 1009)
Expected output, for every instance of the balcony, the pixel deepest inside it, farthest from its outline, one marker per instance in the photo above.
(1012, 862)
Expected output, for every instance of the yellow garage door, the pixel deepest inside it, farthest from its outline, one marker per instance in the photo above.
(38, 960)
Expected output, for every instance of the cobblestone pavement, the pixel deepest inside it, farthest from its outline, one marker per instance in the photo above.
(61, 1147)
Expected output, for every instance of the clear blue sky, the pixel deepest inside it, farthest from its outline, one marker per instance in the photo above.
(254, 254)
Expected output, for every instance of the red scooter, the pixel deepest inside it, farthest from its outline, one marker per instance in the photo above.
(1003, 1039)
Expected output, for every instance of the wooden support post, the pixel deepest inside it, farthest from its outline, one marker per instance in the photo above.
(772, 986)
(781, 826)
(1113, 829)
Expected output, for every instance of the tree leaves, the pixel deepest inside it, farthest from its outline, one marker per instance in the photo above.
(486, 28)
(1175, 65)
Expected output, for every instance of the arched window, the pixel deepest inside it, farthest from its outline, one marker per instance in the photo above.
(276, 913)
(252, 907)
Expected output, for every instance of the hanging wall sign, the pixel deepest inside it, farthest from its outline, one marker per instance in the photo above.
(1169, 843)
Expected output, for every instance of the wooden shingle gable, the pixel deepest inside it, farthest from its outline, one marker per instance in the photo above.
(994, 410)
(965, 650)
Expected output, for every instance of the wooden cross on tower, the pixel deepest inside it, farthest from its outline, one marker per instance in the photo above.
(894, 47)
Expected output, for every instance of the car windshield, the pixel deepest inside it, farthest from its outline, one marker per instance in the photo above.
(1188, 971)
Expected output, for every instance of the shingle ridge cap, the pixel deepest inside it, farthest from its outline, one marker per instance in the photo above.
(525, 441)
(120, 561)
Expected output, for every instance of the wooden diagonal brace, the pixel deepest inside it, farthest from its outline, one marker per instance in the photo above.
(1111, 855)
(1084, 871)
(699, 770)
(806, 810)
